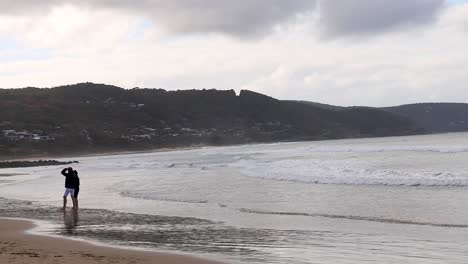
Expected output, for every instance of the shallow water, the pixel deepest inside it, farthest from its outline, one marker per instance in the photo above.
(385, 200)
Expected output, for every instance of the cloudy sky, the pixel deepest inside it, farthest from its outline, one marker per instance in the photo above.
(344, 52)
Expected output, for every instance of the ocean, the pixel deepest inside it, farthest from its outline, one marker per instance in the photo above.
(377, 200)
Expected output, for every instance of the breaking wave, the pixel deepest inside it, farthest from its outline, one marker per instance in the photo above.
(344, 172)
(383, 148)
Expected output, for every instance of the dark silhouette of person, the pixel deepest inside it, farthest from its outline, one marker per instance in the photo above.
(69, 186)
(76, 184)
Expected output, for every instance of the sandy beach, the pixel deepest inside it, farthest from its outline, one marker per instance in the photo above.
(18, 247)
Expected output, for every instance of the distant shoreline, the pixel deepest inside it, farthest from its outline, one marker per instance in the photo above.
(167, 149)
(89, 154)
(36, 163)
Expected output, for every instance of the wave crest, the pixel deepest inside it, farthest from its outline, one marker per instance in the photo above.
(361, 149)
(344, 172)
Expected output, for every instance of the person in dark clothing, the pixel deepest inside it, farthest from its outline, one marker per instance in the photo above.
(76, 183)
(69, 186)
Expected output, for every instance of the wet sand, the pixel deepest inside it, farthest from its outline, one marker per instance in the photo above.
(18, 247)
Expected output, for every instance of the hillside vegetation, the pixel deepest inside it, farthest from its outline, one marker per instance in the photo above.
(89, 117)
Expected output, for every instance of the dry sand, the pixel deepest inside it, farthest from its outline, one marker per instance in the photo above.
(17, 247)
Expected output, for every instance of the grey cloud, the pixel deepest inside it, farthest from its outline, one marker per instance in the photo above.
(25, 6)
(244, 18)
(362, 17)
(255, 18)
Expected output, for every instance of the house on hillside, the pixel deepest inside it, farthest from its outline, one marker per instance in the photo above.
(25, 135)
(13, 135)
(8, 132)
(43, 138)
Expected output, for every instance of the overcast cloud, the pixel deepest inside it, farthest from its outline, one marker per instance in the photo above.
(252, 18)
(247, 18)
(413, 51)
(350, 17)
(255, 18)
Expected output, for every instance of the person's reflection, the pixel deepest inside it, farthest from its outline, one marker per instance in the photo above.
(70, 221)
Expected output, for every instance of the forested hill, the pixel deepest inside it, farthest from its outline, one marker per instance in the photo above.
(430, 117)
(436, 117)
(91, 117)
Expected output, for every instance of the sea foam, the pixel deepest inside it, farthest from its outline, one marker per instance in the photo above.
(344, 172)
(384, 148)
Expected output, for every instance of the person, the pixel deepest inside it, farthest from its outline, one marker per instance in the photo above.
(69, 186)
(76, 184)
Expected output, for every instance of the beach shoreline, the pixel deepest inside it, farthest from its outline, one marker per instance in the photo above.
(104, 153)
(19, 246)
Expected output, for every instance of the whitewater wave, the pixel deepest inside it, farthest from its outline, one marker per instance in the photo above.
(358, 147)
(383, 148)
(344, 172)
(353, 217)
